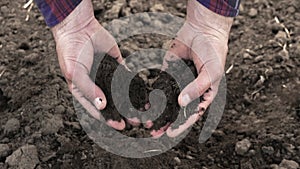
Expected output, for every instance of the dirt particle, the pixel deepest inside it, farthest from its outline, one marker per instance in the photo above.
(27, 129)
(291, 9)
(267, 150)
(4, 150)
(252, 152)
(157, 8)
(280, 35)
(52, 125)
(242, 147)
(274, 166)
(258, 59)
(60, 109)
(32, 58)
(5, 140)
(114, 11)
(189, 157)
(289, 164)
(11, 126)
(75, 125)
(252, 12)
(177, 159)
(145, 18)
(25, 157)
(4, 9)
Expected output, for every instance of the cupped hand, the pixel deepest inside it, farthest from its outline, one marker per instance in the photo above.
(78, 37)
(202, 39)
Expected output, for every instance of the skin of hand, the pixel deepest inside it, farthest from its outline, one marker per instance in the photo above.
(78, 37)
(203, 39)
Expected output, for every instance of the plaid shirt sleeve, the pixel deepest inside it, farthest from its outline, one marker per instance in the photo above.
(228, 8)
(54, 11)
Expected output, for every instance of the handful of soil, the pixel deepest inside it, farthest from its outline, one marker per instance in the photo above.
(104, 77)
(139, 90)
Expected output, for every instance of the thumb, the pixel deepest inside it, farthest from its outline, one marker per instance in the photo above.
(208, 61)
(210, 72)
(77, 72)
(195, 89)
(88, 88)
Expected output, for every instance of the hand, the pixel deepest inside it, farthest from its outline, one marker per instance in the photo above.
(78, 37)
(202, 39)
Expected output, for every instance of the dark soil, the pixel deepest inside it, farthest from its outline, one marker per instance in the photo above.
(104, 77)
(263, 89)
(139, 91)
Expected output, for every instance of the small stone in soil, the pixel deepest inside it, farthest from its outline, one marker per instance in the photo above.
(242, 147)
(253, 12)
(268, 150)
(289, 164)
(25, 157)
(60, 109)
(32, 58)
(52, 125)
(11, 126)
(4, 150)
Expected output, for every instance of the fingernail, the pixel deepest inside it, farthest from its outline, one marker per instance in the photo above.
(185, 100)
(98, 103)
(148, 124)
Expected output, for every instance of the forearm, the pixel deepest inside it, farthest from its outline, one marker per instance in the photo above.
(229, 8)
(55, 11)
(208, 21)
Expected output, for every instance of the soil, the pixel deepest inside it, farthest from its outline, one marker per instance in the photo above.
(263, 88)
(104, 78)
(139, 90)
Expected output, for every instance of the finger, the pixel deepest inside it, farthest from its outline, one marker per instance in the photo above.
(76, 61)
(134, 121)
(160, 132)
(190, 121)
(209, 96)
(195, 89)
(210, 70)
(84, 102)
(118, 125)
(148, 124)
(87, 87)
(116, 54)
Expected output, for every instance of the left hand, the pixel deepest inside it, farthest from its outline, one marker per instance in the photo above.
(78, 37)
(202, 39)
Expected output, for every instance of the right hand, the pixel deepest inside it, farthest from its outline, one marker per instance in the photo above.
(203, 40)
(78, 37)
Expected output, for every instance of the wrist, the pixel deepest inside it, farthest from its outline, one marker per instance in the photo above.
(208, 21)
(79, 18)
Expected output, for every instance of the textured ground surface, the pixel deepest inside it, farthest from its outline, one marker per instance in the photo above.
(259, 129)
